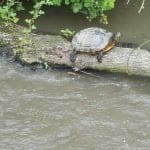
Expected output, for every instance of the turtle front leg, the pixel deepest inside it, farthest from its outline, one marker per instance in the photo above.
(99, 57)
(73, 56)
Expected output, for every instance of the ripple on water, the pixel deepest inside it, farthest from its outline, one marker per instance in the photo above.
(51, 110)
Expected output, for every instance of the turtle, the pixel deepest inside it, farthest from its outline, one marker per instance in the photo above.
(93, 41)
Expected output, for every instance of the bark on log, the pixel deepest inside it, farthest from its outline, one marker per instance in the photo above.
(55, 50)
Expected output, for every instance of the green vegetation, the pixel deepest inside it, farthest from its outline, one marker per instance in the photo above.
(91, 8)
(9, 9)
(67, 33)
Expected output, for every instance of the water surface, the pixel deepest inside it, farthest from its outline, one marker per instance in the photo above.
(52, 110)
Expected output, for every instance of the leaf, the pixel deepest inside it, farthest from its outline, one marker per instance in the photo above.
(67, 2)
(77, 7)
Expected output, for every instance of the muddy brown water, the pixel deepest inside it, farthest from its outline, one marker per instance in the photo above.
(51, 110)
(54, 111)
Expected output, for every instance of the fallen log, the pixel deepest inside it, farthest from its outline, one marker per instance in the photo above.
(55, 50)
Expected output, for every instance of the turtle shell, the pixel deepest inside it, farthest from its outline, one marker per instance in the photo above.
(91, 40)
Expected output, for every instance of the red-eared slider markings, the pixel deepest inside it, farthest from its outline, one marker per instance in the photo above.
(93, 41)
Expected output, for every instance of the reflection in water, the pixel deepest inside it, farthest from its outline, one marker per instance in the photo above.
(51, 110)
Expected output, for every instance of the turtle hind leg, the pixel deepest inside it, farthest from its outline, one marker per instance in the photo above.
(73, 56)
(99, 57)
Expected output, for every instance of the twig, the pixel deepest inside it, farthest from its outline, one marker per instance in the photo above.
(88, 73)
(141, 45)
(142, 6)
(128, 1)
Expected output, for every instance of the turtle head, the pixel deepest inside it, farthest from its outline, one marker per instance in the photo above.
(117, 36)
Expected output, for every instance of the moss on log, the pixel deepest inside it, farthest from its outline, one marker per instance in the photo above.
(55, 50)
